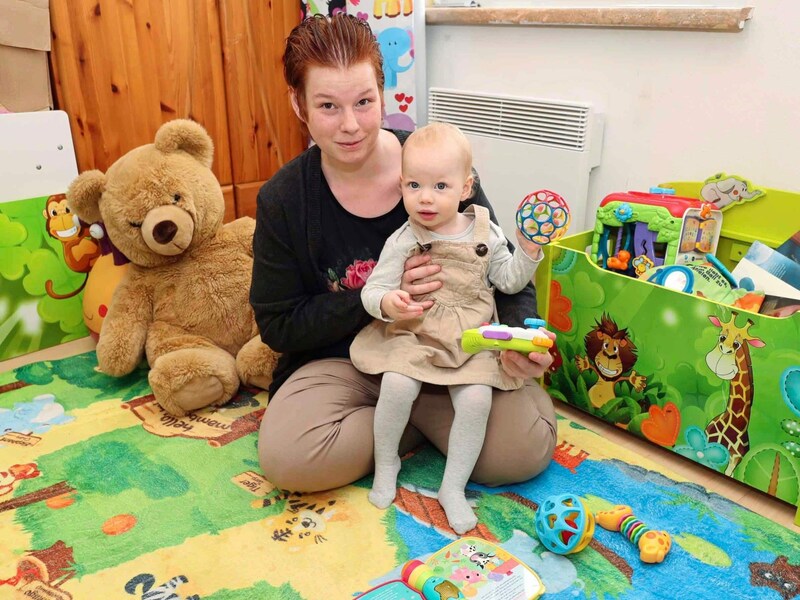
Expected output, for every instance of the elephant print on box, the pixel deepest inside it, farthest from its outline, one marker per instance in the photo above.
(726, 190)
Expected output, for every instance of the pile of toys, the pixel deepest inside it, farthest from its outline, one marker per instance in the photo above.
(672, 241)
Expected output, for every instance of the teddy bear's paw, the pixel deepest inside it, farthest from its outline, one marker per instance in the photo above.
(193, 378)
(193, 395)
(255, 363)
(199, 393)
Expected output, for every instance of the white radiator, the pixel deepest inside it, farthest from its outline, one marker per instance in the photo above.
(521, 145)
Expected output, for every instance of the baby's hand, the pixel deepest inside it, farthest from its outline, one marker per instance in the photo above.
(532, 249)
(398, 305)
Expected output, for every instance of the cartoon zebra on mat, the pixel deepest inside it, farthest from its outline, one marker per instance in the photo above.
(163, 592)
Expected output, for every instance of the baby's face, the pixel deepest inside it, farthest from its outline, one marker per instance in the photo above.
(434, 181)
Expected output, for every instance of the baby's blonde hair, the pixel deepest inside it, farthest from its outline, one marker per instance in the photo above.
(436, 134)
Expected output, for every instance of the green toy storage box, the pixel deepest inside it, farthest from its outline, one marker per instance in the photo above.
(718, 385)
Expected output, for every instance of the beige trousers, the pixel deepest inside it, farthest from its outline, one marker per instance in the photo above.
(317, 431)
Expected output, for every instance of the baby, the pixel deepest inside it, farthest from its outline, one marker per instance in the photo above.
(412, 346)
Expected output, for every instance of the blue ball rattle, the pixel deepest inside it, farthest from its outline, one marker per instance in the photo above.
(564, 524)
(543, 217)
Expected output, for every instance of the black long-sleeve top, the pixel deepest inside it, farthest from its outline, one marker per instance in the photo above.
(305, 305)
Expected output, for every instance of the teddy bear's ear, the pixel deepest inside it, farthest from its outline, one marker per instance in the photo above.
(83, 195)
(186, 135)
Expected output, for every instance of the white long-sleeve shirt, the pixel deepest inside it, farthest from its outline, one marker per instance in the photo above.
(507, 272)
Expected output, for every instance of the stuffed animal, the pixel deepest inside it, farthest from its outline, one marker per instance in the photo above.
(184, 300)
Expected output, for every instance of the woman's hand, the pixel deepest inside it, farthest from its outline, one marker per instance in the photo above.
(532, 366)
(419, 278)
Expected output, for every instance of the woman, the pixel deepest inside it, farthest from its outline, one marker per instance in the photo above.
(322, 221)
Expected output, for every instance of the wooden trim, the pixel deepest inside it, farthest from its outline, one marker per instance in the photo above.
(230, 203)
(246, 196)
(674, 18)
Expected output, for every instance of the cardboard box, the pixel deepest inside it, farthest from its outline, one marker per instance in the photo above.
(24, 44)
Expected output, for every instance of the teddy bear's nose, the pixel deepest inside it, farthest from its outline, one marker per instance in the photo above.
(164, 231)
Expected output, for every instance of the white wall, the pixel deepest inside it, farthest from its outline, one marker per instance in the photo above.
(678, 105)
(599, 3)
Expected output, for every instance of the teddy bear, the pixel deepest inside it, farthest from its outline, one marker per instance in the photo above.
(184, 300)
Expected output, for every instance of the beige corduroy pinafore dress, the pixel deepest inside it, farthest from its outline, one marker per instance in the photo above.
(428, 349)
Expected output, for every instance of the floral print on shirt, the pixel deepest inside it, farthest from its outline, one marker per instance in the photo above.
(354, 278)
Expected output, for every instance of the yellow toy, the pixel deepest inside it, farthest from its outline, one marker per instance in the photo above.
(653, 545)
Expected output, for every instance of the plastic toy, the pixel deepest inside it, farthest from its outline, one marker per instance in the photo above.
(636, 230)
(421, 577)
(708, 279)
(543, 217)
(620, 261)
(564, 524)
(653, 545)
(495, 336)
(666, 191)
(727, 190)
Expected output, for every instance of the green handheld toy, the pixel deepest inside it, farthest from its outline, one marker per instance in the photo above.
(495, 336)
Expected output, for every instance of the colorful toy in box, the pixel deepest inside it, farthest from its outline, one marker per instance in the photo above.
(495, 336)
(707, 279)
(635, 231)
(729, 190)
(543, 217)
(564, 524)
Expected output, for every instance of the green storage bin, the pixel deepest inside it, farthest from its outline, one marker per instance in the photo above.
(718, 385)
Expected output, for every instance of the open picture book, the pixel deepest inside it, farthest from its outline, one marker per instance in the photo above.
(466, 568)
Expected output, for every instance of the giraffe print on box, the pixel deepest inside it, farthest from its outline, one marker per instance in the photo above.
(730, 361)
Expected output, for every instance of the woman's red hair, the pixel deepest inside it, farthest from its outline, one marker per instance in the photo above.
(339, 42)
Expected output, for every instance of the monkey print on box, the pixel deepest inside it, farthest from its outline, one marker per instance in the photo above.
(80, 250)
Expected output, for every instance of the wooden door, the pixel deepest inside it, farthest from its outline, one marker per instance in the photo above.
(264, 130)
(121, 69)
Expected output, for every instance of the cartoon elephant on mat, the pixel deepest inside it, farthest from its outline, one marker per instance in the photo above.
(727, 190)
(34, 417)
(394, 43)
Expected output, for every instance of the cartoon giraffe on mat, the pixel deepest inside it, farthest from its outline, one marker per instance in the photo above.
(730, 361)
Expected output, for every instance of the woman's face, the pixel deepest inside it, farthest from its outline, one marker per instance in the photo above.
(344, 111)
